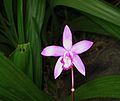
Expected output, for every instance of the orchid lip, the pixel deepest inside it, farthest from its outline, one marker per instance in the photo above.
(67, 60)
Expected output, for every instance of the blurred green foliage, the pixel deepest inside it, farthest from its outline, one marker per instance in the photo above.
(28, 25)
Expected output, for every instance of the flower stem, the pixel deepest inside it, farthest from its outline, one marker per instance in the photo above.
(72, 89)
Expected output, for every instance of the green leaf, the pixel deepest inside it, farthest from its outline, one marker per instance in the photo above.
(20, 21)
(108, 86)
(44, 27)
(22, 57)
(94, 24)
(110, 28)
(98, 8)
(15, 86)
(6, 31)
(9, 12)
(40, 13)
(35, 11)
(37, 60)
(102, 13)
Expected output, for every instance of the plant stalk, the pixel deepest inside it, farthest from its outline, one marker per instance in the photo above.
(72, 89)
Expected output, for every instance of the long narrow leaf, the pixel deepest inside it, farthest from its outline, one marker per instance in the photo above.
(22, 57)
(34, 19)
(108, 86)
(97, 8)
(113, 30)
(37, 61)
(8, 9)
(15, 86)
(6, 31)
(20, 21)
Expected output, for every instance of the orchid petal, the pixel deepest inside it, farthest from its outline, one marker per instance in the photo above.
(67, 38)
(58, 68)
(79, 64)
(53, 51)
(81, 46)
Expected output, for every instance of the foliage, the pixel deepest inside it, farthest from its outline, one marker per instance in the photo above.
(26, 26)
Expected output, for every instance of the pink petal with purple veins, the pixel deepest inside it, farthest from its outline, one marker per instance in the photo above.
(81, 46)
(67, 38)
(58, 68)
(79, 64)
(53, 51)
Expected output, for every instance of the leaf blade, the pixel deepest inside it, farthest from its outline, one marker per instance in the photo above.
(13, 81)
(9, 12)
(20, 21)
(22, 57)
(98, 8)
(107, 86)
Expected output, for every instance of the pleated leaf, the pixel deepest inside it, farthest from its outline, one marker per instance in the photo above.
(6, 31)
(37, 60)
(96, 25)
(20, 21)
(35, 10)
(105, 14)
(22, 57)
(9, 12)
(15, 86)
(97, 8)
(110, 28)
(108, 87)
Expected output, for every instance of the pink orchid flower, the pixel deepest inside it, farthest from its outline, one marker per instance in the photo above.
(68, 53)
